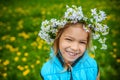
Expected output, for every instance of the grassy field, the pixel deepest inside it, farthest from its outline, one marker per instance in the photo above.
(22, 52)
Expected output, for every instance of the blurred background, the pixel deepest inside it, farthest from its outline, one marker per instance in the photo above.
(22, 52)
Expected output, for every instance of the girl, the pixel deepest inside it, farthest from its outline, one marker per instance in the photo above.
(70, 59)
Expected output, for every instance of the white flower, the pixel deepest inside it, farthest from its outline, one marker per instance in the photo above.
(74, 14)
(85, 18)
(104, 46)
(93, 11)
(102, 15)
(53, 31)
(98, 27)
(85, 28)
(105, 33)
(93, 48)
(95, 36)
(62, 23)
(44, 23)
(102, 40)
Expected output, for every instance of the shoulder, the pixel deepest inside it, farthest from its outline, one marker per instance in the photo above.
(90, 62)
(52, 66)
(46, 68)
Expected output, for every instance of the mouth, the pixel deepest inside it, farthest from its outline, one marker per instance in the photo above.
(72, 54)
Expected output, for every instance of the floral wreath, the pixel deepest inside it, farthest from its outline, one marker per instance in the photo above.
(75, 14)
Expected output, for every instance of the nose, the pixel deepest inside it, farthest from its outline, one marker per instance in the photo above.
(75, 46)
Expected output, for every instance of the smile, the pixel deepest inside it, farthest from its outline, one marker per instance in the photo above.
(72, 53)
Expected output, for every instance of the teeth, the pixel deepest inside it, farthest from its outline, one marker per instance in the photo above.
(72, 54)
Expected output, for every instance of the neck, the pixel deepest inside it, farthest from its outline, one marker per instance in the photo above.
(62, 61)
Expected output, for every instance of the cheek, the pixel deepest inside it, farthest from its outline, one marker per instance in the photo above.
(62, 44)
(82, 48)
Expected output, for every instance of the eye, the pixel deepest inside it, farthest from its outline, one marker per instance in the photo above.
(82, 42)
(68, 39)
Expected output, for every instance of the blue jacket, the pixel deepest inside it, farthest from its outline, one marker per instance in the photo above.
(84, 68)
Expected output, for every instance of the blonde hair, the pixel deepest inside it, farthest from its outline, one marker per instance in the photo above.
(61, 30)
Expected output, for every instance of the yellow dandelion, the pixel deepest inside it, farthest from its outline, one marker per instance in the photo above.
(32, 66)
(8, 46)
(20, 22)
(16, 59)
(18, 53)
(46, 48)
(114, 32)
(5, 68)
(16, 49)
(36, 33)
(4, 37)
(26, 54)
(24, 35)
(1, 23)
(20, 10)
(47, 59)
(38, 39)
(118, 60)
(0, 47)
(109, 17)
(4, 74)
(39, 46)
(12, 38)
(26, 72)
(37, 62)
(20, 34)
(4, 8)
(24, 59)
(24, 47)
(9, 11)
(33, 44)
(19, 27)
(111, 53)
(20, 68)
(114, 44)
(92, 55)
(43, 11)
(6, 62)
(12, 49)
(8, 28)
(48, 12)
(114, 55)
(0, 60)
(26, 66)
(115, 50)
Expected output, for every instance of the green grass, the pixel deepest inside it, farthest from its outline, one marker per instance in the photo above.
(22, 52)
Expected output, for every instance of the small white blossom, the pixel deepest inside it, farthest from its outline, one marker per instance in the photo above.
(95, 36)
(93, 11)
(105, 33)
(74, 14)
(102, 15)
(102, 40)
(93, 48)
(104, 46)
(85, 28)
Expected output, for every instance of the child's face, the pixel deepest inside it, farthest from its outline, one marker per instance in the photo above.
(73, 43)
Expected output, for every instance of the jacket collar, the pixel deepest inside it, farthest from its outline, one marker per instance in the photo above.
(58, 59)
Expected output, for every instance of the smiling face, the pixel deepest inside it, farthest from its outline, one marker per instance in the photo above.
(73, 42)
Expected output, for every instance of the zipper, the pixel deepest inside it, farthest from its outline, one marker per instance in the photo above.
(70, 72)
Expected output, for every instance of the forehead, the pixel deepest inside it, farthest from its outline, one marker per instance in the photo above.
(75, 31)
